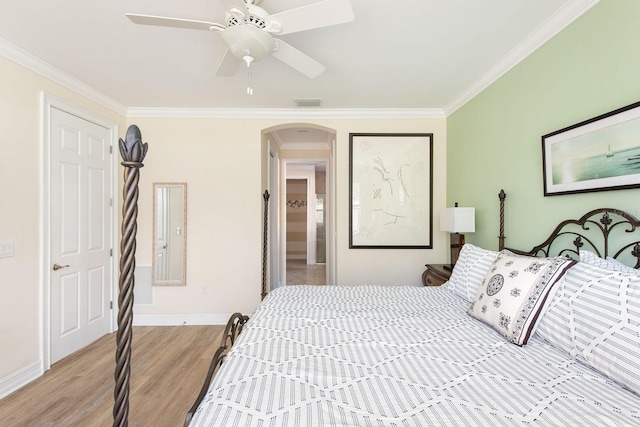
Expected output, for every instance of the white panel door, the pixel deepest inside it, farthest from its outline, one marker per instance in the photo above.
(80, 218)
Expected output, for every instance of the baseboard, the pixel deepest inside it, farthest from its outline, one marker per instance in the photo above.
(180, 319)
(20, 378)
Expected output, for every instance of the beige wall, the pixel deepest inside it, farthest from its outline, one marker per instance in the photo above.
(222, 160)
(20, 204)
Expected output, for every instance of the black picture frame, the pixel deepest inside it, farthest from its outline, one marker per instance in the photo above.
(599, 154)
(391, 190)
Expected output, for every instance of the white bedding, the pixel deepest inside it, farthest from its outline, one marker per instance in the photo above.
(398, 356)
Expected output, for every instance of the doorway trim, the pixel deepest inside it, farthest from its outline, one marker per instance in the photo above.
(273, 179)
(278, 259)
(47, 102)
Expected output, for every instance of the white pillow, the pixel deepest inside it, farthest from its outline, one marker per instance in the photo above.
(595, 317)
(609, 263)
(469, 271)
(516, 292)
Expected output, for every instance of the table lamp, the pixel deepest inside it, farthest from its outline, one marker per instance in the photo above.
(456, 221)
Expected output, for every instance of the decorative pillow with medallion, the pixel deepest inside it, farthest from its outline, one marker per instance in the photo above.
(516, 292)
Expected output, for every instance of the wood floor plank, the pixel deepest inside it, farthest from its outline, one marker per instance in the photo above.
(168, 366)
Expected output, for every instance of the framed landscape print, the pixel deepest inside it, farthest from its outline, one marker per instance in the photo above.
(599, 154)
(390, 190)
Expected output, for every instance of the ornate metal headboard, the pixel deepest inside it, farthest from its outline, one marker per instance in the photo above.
(605, 231)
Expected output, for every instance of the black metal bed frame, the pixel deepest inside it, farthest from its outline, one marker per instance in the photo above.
(597, 231)
(231, 331)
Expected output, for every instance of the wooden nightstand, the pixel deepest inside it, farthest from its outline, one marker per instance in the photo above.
(435, 274)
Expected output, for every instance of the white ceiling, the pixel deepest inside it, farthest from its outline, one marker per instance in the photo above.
(402, 54)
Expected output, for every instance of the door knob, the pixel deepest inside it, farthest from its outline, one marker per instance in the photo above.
(57, 266)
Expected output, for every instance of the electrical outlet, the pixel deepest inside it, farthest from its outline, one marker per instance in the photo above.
(6, 249)
(204, 290)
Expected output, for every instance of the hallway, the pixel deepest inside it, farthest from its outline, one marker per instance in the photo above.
(299, 273)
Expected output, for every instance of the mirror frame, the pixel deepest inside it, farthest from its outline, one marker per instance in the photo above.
(183, 280)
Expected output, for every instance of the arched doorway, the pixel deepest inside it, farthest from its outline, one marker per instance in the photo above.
(300, 151)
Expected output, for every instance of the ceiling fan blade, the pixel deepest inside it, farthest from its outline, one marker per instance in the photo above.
(297, 60)
(164, 21)
(315, 15)
(228, 65)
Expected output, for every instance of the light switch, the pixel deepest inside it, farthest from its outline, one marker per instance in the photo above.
(6, 249)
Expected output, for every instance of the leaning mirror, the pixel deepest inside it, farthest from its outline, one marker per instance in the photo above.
(169, 234)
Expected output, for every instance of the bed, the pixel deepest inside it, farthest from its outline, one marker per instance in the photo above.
(565, 351)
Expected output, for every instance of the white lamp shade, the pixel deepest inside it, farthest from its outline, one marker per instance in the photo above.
(458, 220)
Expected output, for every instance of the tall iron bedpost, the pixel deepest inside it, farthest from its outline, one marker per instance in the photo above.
(133, 152)
(265, 196)
(501, 195)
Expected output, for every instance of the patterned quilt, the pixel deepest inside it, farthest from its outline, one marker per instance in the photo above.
(398, 356)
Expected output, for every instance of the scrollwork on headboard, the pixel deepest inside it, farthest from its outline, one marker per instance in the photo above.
(604, 231)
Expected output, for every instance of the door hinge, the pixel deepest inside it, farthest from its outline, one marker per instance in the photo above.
(111, 149)
(111, 305)
(111, 202)
(111, 252)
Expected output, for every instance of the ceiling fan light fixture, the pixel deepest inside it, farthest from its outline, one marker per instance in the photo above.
(247, 40)
(248, 32)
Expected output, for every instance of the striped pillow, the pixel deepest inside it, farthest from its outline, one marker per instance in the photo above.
(608, 264)
(469, 271)
(595, 317)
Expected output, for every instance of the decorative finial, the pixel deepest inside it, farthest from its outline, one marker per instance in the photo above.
(133, 149)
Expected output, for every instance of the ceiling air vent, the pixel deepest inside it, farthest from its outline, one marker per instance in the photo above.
(308, 102)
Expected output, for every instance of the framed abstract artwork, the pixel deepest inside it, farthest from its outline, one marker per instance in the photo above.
(390, 190)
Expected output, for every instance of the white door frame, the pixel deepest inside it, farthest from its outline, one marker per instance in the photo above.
(277, 187)
(331, 217)
(273, 173)
(47, 103)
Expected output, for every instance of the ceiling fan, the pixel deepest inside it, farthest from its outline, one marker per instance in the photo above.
(248, 32)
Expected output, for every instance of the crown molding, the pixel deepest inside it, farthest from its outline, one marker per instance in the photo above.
(561, 19)
(288, 113)
(31, 62)
(37, 65)
(564, 16)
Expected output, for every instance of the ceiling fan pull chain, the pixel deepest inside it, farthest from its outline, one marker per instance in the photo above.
(248, 59)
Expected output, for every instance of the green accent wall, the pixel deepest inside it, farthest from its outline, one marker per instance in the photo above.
(494, 141)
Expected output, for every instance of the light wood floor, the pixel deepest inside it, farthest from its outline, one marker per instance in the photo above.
(300, 273)
(168, 367)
